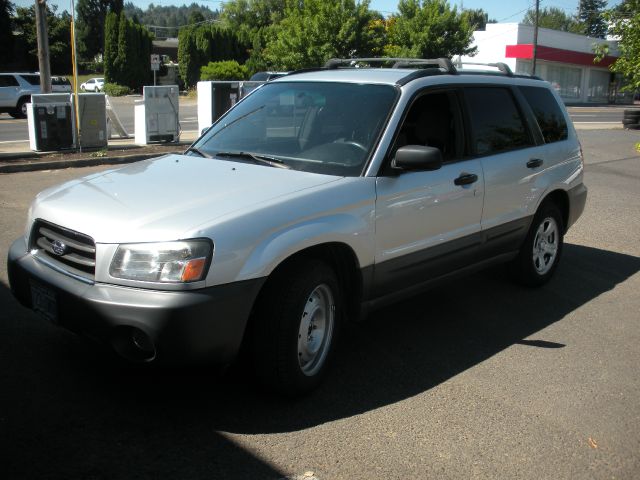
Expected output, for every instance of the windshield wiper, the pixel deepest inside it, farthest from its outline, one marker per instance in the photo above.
(256, 157)
(198, 151)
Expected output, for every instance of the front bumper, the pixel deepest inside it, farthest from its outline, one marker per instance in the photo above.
(185, 326)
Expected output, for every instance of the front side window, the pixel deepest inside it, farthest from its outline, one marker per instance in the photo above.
(320, 127)
(496, 123)
(434, 121)
(547, 113)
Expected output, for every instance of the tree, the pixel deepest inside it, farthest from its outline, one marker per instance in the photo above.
(429, 29)
(224, 70)
(6, 32)
(111, 32)
(313, 31)
(624, 22)
(252, 21)
(90, 25)
(201, 44)
(59, 28)
(591, 16)
(477, 18)
(554, 19)
(196, 17)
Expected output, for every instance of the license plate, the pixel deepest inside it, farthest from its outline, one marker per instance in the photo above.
(44, 302)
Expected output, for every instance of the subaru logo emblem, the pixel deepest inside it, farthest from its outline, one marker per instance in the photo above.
(58, 247)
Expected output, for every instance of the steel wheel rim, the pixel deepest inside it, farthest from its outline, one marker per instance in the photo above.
(545, 245)
(316, 329)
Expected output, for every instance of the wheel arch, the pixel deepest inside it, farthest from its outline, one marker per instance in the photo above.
(560, 198)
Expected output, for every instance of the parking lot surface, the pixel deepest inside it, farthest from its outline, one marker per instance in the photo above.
(479, 378)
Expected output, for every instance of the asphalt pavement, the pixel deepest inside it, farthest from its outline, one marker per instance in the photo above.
(477, 379)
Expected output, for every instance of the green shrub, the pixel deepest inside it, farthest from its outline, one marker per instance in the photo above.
(225, 70)
(115, 90)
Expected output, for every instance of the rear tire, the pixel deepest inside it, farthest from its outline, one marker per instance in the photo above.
(295, 327)
(21, 109)
(541, 251)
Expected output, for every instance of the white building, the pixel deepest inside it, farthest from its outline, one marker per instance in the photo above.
(564, 59)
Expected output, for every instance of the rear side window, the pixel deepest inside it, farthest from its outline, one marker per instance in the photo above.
(8, 81)
(547, 112)
(32, 79)
(496, 123)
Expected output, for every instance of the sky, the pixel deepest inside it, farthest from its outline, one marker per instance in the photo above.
(500, 10)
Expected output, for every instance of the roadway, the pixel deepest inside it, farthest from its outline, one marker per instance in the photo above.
(478, 379)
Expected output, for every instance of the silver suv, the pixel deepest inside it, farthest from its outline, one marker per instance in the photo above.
(15, 92)
(319, 196)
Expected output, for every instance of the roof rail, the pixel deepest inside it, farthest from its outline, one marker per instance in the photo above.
(503, 67)
(443, 63)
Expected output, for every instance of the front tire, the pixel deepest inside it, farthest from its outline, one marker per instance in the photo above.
(540, 254)
(295, 327)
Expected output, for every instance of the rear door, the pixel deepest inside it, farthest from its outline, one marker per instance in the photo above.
(509, 150)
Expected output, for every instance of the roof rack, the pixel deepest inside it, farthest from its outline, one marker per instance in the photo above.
(443, 63)
(503, 67)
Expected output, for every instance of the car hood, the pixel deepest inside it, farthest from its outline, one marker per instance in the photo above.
(165, 198)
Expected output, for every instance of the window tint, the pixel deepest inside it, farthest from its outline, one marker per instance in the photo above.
(496, 123)
(433, 121)
(8, 81)
(32, 79)
(547, 112)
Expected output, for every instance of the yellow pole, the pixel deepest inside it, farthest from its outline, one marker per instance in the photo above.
(75, 74)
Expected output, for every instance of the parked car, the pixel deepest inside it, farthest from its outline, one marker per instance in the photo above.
(93, 85)
(60, 85)
(322, 195)
(15, 92)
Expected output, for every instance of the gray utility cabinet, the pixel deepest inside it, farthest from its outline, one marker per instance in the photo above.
(92, 114)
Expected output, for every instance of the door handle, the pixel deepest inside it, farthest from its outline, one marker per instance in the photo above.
(534, 163)
(466, 179)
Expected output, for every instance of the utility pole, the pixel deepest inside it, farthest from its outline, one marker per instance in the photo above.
(43, 46)
(535, 38)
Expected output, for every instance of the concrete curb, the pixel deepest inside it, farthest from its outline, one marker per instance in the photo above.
(84, 162)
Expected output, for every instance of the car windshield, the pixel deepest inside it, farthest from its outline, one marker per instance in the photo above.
(320, 127)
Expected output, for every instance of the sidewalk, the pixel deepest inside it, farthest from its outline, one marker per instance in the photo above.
(17, 157)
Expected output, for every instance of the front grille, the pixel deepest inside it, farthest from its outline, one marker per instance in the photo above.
(73, 251)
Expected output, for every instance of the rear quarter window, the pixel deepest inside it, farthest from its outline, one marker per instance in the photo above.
(32, 79)
(8, 81)
(547, 112)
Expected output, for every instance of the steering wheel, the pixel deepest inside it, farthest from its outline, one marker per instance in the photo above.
(353, 143)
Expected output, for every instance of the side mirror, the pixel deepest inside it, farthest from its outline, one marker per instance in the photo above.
(417, 158)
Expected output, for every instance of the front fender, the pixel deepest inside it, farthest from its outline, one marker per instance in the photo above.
(351, 230)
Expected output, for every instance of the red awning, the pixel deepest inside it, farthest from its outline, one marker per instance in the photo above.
(525, 50)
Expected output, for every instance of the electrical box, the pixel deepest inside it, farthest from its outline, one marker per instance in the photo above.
(216, 97)
(92, 116)
(51, 122)
(156, 115)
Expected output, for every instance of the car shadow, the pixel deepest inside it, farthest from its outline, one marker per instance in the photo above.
(83, 414)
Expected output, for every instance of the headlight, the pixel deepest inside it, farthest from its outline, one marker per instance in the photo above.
(167, 262)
